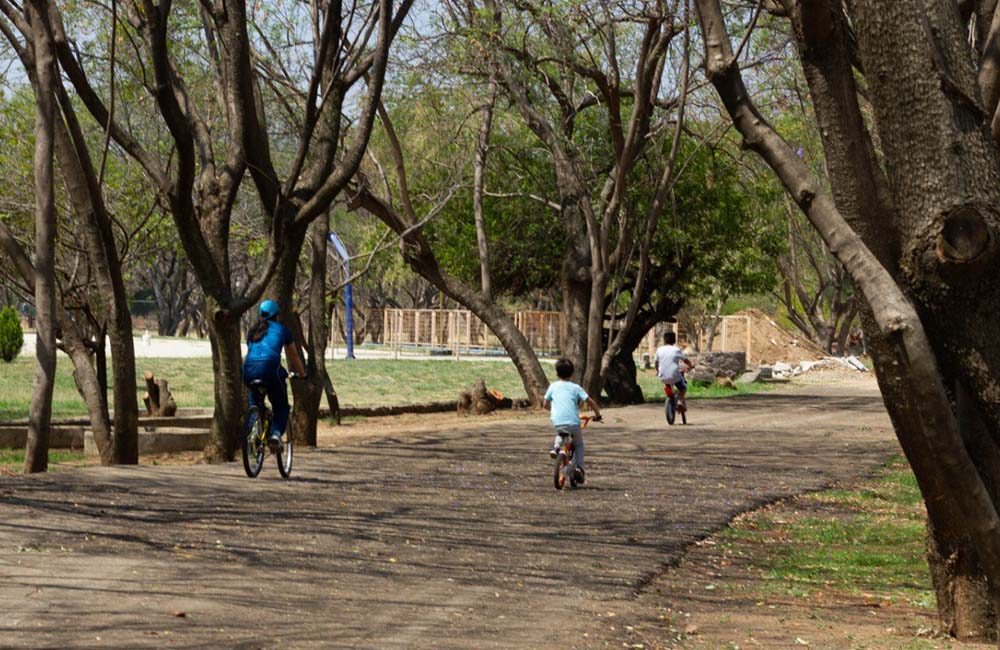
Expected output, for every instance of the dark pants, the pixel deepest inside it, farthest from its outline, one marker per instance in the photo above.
(273, 376)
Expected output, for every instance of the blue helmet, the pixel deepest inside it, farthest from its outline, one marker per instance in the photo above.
(269, 309)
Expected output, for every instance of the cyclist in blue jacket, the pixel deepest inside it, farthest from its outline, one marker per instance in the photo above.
(265, 341)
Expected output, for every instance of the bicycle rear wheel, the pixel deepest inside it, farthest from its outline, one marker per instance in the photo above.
(671, 409)
(684, 415)
(559, 478)
(285, 455)
(253, 443)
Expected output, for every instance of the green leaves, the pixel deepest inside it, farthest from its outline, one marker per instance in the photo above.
(11, 336)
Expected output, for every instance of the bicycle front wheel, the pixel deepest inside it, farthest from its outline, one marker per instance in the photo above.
(671, 409)
(253, 443)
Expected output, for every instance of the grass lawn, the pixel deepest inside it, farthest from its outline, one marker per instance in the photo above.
(13, 459)
(874, 544)
(652, 388)
(361, 382)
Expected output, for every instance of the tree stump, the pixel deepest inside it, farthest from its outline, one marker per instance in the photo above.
(158, 399)
(478, 400)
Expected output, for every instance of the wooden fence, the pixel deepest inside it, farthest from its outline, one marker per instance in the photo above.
(461, 332)
(733, 334)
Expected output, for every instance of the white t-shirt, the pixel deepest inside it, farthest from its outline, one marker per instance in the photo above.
(667, 359)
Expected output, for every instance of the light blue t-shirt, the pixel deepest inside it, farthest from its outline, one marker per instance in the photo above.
(566, 398)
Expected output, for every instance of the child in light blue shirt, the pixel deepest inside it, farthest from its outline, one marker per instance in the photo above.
(564, 398)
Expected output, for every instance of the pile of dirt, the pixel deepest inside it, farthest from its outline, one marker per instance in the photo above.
(771, 343)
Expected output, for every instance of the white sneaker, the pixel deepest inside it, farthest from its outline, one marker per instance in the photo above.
(554, 452)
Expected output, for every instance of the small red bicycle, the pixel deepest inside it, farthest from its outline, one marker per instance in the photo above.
(672, 407)
(566, 469)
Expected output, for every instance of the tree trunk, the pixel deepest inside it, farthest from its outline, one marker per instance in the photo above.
(319, 329)
(861, 193)
(305, 394)
(126, 417)
(575, 316)
(621, 384)
(88, 205)
(308, 394)
(36, 454)
(935, 428)
(230, 400)
(93, 392)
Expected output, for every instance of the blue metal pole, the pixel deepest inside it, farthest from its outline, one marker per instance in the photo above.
(345, 261)
(349, 320)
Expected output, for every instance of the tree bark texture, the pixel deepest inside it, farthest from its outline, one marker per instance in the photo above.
(935, 424)
(306, 393)
(88, 205)
(36, 455)
(863, 195)
(230, 395)
(158, 399)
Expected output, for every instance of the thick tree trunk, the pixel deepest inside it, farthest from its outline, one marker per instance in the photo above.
(85, 195)
(621, 384)
(862, 195)
(305, 394)
(935, 427)
(93, 392)
(945, 184)
(36, 455)
(575, 316)
(126, 414)
(230, 399)
(308, 394)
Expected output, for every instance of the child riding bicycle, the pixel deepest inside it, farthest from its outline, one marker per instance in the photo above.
(265, 341)
(564, 398)
(668, 360)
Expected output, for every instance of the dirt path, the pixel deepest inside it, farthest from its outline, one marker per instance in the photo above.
(443, 538)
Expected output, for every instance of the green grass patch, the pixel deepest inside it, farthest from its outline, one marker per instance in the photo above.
(359, 382)
(869, 539)
(652, 388)
(13, 459)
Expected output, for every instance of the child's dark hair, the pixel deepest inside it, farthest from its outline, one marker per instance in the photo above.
(670, 337)
(564, 368)
(257, 331)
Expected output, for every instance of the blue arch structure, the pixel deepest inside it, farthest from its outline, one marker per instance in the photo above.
(345, 262)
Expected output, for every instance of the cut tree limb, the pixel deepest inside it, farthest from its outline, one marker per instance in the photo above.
(158, 399)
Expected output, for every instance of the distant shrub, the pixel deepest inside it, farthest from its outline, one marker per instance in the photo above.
(11, 336)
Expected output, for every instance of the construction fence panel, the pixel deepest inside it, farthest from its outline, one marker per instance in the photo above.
(732, 334)
(463, 332)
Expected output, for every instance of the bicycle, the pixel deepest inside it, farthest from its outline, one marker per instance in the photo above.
(671, 406)
(255, 442)
(566, 469)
